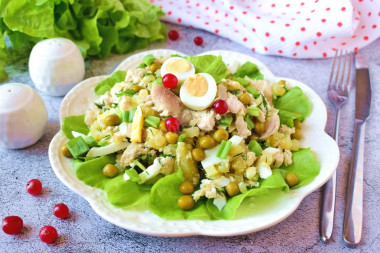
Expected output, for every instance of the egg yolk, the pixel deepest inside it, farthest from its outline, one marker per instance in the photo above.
(178, 66)
(196, 86)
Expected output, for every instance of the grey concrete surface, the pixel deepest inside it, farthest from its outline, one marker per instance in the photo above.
(85, 231)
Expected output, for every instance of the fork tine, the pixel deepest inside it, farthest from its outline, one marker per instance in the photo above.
(332, 69)
(341, 84)
(338, 71)
(348, 83)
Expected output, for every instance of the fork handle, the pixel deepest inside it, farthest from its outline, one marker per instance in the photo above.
(353, 214)
(329, 192)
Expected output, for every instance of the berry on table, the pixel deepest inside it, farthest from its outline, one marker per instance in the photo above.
(12, 225)
(198, 40)
(173, 35)
(48, 234)
(34, 187)
(61, 211)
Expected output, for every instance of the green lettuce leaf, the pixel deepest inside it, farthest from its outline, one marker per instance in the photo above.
(248, 69)
(164, 197)
(97, 27)
(90, 172)
(288, 118)
(120, 193)
(293, 102)
(304, 165)
(107, 84)
(210, 64)
(123, 193)
(74, 123)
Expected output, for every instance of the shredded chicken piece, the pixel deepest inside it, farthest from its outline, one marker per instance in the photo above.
(132, 151)
(261, 116)
(91, 115)
(107, 99)
(272, 123)
(222, 92)
(134, 75)
(117, 88)
(264, 87)
(208, 188)
(234, 105)
(287, 157)
(125, 103)
(251, 158)
(284, 129)
(205, 120)
(242, 128)
(165, 100)
(278, 159)
(167, 165)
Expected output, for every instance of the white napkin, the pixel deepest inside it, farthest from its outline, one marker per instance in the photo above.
(292, 28)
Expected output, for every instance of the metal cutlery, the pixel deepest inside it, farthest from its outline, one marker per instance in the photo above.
(353, 215)
(338, 88)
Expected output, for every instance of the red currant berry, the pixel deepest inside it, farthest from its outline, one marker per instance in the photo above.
(12, 225)
(169, 81)
(34, 187)
(173, 35)
(172, 124)
(48, 234)
(61, 211)
(198, 40)
(220, 106)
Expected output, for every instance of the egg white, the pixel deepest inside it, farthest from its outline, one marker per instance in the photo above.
(199, 103)
(180, 76)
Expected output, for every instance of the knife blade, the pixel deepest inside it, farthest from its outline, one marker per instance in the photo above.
(353, 214)
(363, 89)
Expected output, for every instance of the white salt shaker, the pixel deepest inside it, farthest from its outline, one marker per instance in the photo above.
(23, 116)
(56, 65)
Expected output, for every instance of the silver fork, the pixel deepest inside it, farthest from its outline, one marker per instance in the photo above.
(339, 86)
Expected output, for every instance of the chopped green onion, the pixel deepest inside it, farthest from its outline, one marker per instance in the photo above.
(133, 175)
(250, 124)
(128, 115)
(138, 164)
(253, 91)
(152, 121)
(77, 147)
(255, 147)
(242, 81)
(253, 111)
(225, 121)
(226, 149)
(182, 137)
(234, 92)
(159, 80)
(100, 106)
(221, 147)
(129, 92)
(91, 142)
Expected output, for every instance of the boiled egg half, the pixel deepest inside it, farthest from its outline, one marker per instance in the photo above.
(198, 91)
(179, 67)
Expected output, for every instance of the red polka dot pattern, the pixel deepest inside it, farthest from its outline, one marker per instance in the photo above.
(297, 28)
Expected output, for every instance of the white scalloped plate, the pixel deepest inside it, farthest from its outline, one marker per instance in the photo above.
(326, 150)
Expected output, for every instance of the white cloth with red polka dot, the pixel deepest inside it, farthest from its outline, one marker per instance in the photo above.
(292, 28)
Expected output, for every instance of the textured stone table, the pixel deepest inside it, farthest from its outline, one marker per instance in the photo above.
(85, 231)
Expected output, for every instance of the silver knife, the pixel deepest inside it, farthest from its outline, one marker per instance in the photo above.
(353, 214)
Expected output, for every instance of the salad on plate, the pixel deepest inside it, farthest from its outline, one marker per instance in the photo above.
(190, 137)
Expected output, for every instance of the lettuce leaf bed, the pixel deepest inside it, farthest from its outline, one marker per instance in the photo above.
(161, 197)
